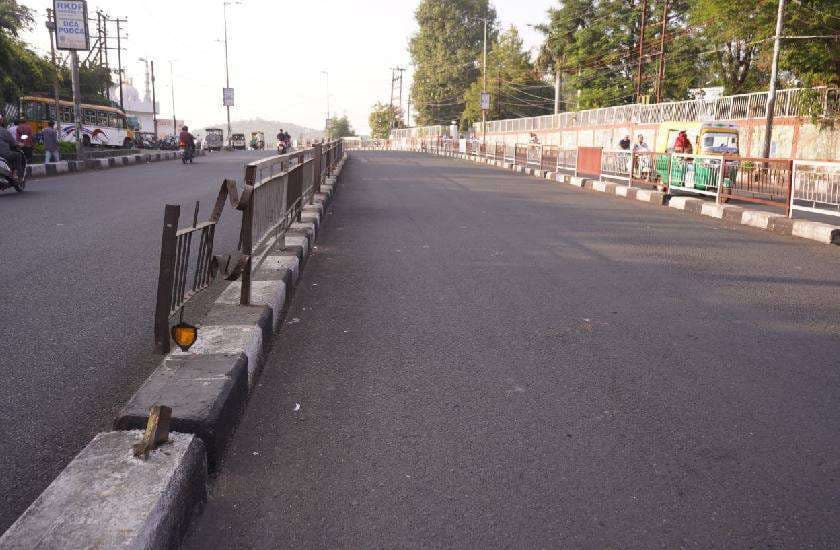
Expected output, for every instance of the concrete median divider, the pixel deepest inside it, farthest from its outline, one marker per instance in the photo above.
(106, 498)
(37, 171)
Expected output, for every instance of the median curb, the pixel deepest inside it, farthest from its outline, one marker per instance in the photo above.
(38, 171)
(106, 498)
(758, 219)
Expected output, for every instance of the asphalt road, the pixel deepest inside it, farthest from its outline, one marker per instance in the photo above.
(485, 360)
(79, 273)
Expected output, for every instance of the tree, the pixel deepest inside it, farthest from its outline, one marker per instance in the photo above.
(740, 35)
(512, 82)
(22, 71)
(340, 127)
(381, 118)
(445, 51)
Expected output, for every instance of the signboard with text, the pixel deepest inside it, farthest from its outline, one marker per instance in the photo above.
(227, 97)
(485, 101)
(71, 25)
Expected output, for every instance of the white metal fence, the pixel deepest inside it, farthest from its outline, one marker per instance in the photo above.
(816, 187)
(789, 103)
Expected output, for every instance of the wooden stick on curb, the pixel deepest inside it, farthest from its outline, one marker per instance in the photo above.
(157, 431)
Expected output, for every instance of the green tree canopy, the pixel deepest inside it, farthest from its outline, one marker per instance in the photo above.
(340, 127)
(512, 82)
(445, 52)
(22, 71)
(380, 119)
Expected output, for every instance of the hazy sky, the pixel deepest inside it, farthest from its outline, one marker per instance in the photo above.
(278, 49)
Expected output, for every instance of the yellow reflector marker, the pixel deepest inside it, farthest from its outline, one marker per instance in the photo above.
(184, 335)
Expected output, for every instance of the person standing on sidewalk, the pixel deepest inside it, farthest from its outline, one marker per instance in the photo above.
(51, 143)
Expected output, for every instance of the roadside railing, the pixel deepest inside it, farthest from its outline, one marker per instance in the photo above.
(616, 164)
(815, 187)
(185, 269)
(275, 191)
(759, 180)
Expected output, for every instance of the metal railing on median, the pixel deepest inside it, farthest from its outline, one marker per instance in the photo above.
(184, 270)
(275, 191)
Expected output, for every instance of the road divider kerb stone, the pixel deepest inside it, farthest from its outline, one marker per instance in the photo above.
(38, 171)
(207, 395)
(106, 498)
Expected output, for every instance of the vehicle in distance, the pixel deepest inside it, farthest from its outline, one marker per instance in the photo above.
(215, 139)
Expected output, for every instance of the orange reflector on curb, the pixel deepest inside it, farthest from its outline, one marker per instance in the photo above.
(184, 335)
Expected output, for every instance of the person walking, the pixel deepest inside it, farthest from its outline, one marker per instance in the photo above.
(50, 137)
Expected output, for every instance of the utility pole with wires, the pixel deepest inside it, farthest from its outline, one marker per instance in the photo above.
(396, 76)
(120, 70)
(485, 100)
(661, 70)
(56, 89)
(172, 82)
(774, 73)
(641, 50)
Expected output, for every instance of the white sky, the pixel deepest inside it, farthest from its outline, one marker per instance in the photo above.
(278, 49)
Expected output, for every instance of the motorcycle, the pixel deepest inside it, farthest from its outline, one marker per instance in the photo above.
(8, 179)
(188, 154)
(282, 147)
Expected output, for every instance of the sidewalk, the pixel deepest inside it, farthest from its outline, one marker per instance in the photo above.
(480, 360)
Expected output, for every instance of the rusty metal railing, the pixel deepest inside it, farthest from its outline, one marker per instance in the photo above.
(275, 191)
(184, 270)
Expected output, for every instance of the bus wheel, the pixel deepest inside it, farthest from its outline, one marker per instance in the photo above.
(86, 141)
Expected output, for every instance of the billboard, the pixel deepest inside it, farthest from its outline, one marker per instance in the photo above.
(485, 101)
(71, 25)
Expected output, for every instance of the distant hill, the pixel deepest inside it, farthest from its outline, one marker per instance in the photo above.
(270, 127)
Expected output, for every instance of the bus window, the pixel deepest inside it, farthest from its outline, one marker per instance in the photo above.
(89, 116)
(113, 120)
(102, 118)
(66, 113)
(33, 110)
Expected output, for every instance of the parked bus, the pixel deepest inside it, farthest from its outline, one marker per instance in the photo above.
(215, 139)
(101, 125)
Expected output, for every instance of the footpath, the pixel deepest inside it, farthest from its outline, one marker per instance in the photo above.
(475, 359)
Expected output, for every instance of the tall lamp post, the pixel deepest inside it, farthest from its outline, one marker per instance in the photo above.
(329, 132)
(227, 66)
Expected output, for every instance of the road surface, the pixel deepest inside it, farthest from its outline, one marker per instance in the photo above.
(486, 360)
(79, 270)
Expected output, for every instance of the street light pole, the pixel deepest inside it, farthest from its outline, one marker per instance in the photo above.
(172, 80)
(774, 73)
(227, 65)
(484, 89)
(329, 129)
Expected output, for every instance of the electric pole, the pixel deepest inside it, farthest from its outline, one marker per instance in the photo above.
(119, 59)
(641, 51)
(396, 75)
(484, 89)
(774, 73)
(227, 66)
(556, 88)
(154, 101)
(172, 80)
(56, 93)
(77, 100)
(329, 126)
(661, 71)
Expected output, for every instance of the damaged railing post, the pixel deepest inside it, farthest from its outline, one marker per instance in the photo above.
(168, 247)
(318, 173)
(247, 235)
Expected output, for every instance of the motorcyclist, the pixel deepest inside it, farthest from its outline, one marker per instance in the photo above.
(187, 140)
(8, 150)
